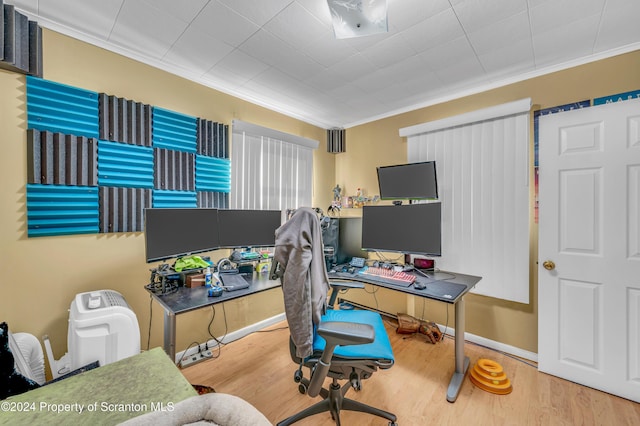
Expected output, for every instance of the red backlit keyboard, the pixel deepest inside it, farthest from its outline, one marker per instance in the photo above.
(394, 277)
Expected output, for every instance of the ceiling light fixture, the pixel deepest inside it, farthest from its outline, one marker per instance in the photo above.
(356, 18)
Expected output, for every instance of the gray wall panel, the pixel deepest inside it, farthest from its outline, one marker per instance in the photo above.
(9, 34)
(174, 170)
(213, 200)
(20, 43)
(59, 159)
(1, 30)
(122, 120)
(35, 49)
(212, 139)
(122, 209)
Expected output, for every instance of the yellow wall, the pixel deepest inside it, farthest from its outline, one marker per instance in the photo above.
(378, 144)
(42, 275)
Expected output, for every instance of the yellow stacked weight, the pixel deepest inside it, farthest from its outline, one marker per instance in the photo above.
(489, 376)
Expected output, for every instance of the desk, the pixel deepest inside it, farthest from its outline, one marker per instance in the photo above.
(437, 288)
(107, 395)
(190, 299)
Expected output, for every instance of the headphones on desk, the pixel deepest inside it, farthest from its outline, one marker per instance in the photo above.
(225, 266)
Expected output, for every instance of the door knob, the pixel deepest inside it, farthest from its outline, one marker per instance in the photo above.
(549, 265)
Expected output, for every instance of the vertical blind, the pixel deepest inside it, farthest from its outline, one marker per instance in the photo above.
(270, 170)
(483, 178)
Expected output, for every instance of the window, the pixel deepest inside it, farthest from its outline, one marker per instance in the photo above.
(482, 161)
(270, 170)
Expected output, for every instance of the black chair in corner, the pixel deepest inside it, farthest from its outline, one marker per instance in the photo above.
(343, 345)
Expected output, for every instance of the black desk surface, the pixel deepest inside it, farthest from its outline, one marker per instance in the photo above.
(444, 286)
(189, 299)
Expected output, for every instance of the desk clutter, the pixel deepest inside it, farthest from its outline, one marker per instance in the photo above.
(433, 284)
(196, 271)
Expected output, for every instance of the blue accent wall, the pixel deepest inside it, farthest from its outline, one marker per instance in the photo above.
(80, 183)
(61, 210)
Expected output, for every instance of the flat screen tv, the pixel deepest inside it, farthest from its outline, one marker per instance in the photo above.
(248, 228)
(409, 228)
(173, 233)
(412, 181)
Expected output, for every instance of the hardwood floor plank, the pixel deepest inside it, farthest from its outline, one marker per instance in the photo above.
(258, 368)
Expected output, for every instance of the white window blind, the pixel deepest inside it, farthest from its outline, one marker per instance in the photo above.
(483, 182)
(270, 170)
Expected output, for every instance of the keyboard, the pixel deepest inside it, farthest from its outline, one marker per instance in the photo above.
(387, 275)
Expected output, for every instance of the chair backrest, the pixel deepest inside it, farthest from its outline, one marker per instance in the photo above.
(305, 284)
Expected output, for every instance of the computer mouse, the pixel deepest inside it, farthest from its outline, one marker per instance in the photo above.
(419, 286)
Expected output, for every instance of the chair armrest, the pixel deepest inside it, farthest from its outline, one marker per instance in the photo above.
(337, 286)
(337, 333)
(345, 333)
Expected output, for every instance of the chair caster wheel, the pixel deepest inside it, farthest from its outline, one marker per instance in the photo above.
(302, 388)
(297, 376)
(393, 424)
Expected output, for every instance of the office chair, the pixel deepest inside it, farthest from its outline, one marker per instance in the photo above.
(342, 345)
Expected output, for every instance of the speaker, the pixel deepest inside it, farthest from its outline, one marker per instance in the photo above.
(336, 142)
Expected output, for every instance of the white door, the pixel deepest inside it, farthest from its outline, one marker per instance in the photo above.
(589, 247)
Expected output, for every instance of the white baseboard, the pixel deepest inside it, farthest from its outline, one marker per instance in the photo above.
(479, 340)
(492, 344)
(234, 335)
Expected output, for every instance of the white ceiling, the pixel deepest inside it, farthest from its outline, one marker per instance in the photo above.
(282, 54)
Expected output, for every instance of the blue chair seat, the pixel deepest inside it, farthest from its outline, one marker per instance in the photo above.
(379, 349)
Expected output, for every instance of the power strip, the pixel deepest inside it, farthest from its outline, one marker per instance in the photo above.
(190, 360)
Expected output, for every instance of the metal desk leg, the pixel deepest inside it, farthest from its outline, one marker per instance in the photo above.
(462, 362)
(170, 334)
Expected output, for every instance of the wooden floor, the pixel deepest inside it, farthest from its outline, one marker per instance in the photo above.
(258, 369)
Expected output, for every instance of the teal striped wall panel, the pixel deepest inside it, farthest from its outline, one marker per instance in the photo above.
(174, 199)
(61, 210)
(174, 131)
(128, 156)
(123, 165)
(60, 108)
(213, 174)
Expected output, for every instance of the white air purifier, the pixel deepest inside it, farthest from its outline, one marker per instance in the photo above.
(102, 327)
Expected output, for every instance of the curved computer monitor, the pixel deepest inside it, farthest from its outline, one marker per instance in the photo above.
(411, 228)
(248, 228)
(171, 233)
(412, 181)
